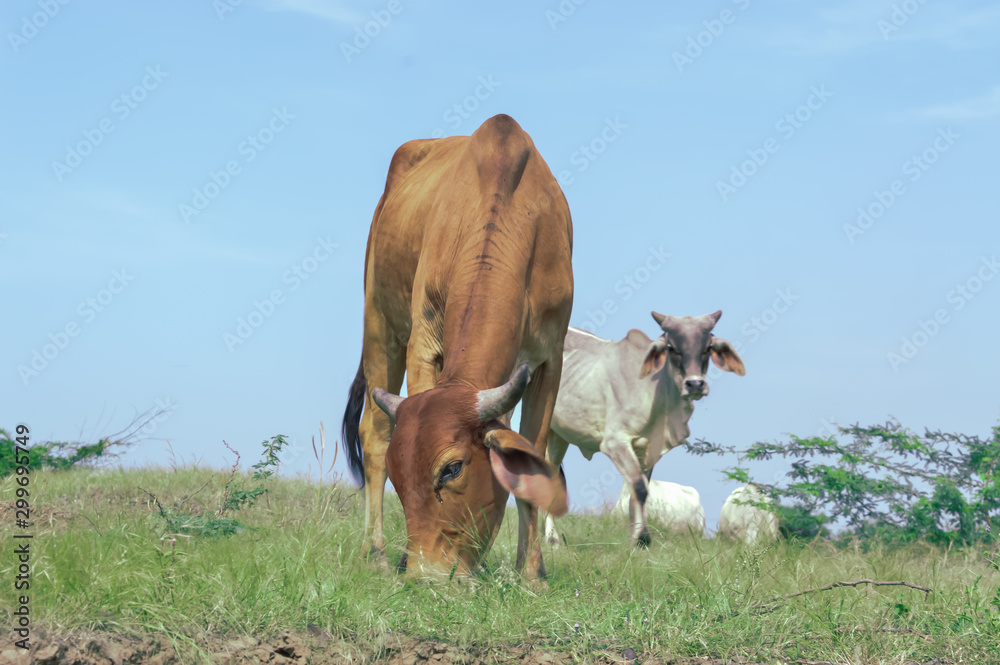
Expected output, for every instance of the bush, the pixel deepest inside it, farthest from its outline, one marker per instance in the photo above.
(798, 522)
(234, 497)
(62, 455)
(884, 481)
(52, 455)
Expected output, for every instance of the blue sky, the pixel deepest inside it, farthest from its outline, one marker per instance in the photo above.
(168, 168)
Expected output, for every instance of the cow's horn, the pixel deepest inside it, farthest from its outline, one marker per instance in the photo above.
(495, 402)
(387, 401)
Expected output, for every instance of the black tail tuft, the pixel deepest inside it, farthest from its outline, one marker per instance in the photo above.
(352, 419)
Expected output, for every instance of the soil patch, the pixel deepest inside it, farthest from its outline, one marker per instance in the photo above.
(312, 647)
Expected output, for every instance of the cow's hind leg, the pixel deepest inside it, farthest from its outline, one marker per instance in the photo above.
(554, 453)
(622, 454)
(384, 364)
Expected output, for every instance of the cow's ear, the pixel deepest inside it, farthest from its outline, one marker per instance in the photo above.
(524, 473)
(655, 359)
(725, 356)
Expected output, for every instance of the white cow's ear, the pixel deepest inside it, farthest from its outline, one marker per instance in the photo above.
(725, 356)
(655, 359)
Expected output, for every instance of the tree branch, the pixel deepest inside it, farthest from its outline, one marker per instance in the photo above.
(762, 609)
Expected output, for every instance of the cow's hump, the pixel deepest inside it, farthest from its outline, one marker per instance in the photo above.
(637, 338)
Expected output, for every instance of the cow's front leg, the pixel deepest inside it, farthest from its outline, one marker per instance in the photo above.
(621, 453)
(529, 551)
(536, 415)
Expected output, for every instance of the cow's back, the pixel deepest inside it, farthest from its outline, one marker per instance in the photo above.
(601, 387)
(471, 220)
(746, 522)
(580, 416)
(677, 508)
(399, 223)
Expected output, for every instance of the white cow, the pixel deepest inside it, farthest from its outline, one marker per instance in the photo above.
(677, 508)
(747, 522)
(632, 399)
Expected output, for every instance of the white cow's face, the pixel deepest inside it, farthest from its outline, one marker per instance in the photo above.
(684, 349)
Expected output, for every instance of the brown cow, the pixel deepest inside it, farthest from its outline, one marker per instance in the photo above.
(468, 288)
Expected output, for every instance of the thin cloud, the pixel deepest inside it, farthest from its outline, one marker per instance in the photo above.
(970, 109)
(329, 10)
(853, 26)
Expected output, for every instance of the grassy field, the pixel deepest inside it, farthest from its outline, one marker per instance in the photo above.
(103, 564)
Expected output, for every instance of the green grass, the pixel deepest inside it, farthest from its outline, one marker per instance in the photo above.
(101, 562)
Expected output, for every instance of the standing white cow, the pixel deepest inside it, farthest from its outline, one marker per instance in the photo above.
(632, 399)
(746, 522)
(677, 508)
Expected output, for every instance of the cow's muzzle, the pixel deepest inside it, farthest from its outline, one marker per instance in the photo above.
(695, 388)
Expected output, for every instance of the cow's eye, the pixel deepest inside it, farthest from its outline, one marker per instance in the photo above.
(450, 472)
(672, 350)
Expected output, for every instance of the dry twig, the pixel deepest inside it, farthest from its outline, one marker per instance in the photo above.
(157, 501)
(763, 609)
(229, 483)
(854, 584)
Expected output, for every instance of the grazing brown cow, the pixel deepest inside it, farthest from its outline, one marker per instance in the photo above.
(468, 288)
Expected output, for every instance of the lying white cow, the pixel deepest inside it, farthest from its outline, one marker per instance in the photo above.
(632, 399)
(745, 521)
(677, 508)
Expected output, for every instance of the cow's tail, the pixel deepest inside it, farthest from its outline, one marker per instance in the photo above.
(352, 420)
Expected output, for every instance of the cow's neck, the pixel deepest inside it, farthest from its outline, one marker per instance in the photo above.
(484, 317)
(674, 414)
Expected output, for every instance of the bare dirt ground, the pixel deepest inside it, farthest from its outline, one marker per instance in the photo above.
(316, 647)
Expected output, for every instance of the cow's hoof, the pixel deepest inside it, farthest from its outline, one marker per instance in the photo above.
(378, 560)
(537, 584)
(643, 540)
